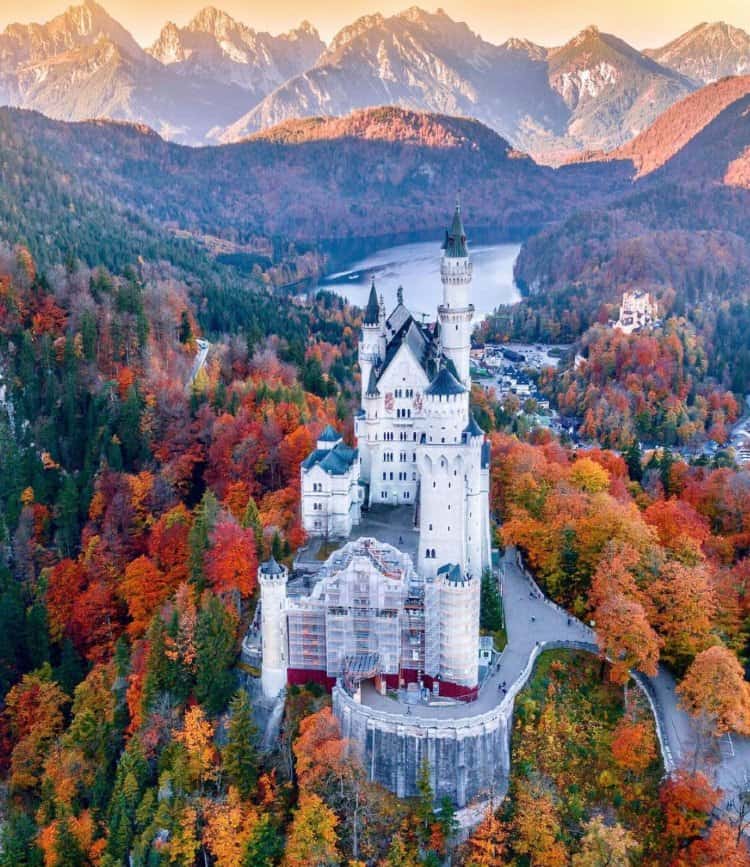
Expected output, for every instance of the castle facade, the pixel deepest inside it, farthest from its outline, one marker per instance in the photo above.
(376, 612)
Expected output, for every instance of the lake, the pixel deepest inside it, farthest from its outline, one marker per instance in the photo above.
(416, 267)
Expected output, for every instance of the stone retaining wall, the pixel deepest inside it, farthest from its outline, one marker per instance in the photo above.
(468, 756)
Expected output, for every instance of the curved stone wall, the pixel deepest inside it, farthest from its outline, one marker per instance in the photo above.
(468, 756)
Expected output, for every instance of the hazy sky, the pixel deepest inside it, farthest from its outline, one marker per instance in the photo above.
(644, 23)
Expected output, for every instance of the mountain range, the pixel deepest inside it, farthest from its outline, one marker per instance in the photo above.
(217, 80)
(195, 80)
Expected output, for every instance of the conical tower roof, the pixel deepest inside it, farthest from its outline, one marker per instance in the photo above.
(472, 428)
(455, 238)
(372, 311)
(272, 567)
(329, 434)
(444, 384)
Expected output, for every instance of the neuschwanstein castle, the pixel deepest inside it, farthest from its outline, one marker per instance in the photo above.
(398, 610)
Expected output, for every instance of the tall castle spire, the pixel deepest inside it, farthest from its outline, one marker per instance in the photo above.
(455, 237)
(455, 314)
(372, 311)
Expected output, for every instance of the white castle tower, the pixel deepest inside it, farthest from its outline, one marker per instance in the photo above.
(442, 461)
(459, 598)
(455, 314)
(272, 577)
(372, 344)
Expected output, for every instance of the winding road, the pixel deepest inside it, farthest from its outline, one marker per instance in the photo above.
(726, 761)
(533, 623)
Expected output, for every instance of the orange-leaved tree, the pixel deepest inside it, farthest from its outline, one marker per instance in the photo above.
(232, 562)
(715, 690)
(312, 836)
(625, 638)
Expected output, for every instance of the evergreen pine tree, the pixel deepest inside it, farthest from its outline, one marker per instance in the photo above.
(265, 846)
(36, 638)
(199, 538)
(68, 526)
(424, 811)
(214, 656)
(277, 547)
(251, 520)
(67, 848)
(70, 671)
(666, 462)
(18, 842)
(491, 606)
(240, 755)
(633, 459)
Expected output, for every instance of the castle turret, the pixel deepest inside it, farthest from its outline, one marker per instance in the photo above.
(372, 343)
(459, 598)
(272, 577)
(456, 313)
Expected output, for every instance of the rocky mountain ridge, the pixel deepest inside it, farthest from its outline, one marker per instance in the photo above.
(218, 80)
(707, 52)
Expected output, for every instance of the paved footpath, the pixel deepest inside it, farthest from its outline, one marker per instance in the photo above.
(725, 761)
(533, 619)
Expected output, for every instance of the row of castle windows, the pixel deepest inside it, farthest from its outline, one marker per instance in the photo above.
(317, 487)
(401, 477)
(403, 413)
(404, 392)
(402, 435)
(384, 494)
(402, 456)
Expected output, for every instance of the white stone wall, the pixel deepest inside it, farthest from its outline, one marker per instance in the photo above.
(442, 521)
(477, 511)
(371, 348)
(467, 757)
(273, 633)
(393, 425)
(330, 504)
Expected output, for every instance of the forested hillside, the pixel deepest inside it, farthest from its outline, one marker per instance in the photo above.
(394, 173)
(134, 511)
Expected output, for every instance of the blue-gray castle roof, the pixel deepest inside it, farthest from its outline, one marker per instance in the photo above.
(472, 429)
(272, 567)
(455, 238)
(329, 435)
(372, 311)
(452, 572)
(445, 384)
(336, 461)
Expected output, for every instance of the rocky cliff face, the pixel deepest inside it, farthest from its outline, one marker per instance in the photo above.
(707, 53)
(421, 61)
(611, 90)
(215, 46)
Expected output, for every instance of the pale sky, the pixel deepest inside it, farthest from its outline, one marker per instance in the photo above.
(643, 23)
